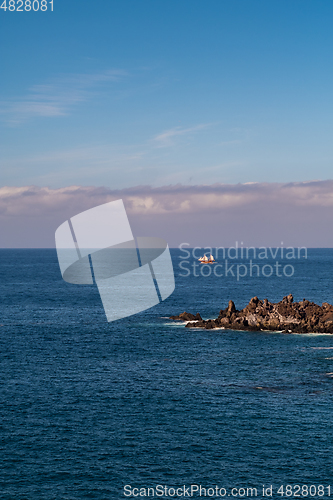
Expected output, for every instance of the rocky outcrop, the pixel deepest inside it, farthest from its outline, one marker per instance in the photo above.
(287, 316)
(187, 317)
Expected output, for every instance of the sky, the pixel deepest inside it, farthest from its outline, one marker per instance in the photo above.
(117, 94)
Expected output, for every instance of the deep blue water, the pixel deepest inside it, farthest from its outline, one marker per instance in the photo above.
(87, 407)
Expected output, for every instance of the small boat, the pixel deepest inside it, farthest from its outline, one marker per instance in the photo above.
(206, 260)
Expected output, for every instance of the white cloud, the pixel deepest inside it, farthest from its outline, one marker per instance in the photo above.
(57, 97)
(116, 163)
(165, 139)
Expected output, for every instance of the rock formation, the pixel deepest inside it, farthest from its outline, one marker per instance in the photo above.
(287, 316)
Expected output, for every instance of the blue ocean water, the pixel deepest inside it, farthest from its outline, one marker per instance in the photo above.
(87, 407)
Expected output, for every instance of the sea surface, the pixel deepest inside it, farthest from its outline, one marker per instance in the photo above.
(88, 407)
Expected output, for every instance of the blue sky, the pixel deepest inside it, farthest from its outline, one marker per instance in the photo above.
(150, 92)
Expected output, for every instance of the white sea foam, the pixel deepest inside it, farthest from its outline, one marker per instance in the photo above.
(322, 348)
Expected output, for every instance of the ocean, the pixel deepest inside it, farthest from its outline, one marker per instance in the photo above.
(146, 407)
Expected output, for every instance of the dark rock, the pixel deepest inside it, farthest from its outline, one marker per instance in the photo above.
(286, 316)
(288, 300)
(185, 316)
(231, 307)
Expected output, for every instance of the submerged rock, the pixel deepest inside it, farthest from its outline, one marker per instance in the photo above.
(287, 316)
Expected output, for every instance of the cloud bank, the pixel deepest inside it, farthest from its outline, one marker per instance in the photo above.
(214, 215)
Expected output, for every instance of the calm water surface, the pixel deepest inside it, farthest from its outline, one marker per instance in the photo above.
(87, 407)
